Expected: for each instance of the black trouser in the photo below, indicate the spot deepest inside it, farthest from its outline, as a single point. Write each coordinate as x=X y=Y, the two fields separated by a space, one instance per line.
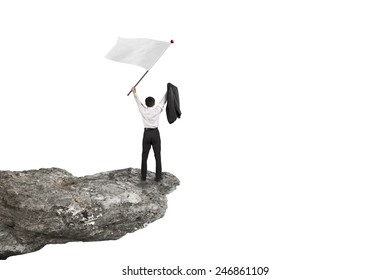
x=151 y=138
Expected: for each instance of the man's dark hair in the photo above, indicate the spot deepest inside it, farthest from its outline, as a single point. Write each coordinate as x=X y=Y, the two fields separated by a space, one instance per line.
x=149 y=101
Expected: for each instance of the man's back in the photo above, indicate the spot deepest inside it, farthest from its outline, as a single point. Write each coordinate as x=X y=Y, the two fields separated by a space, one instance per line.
x=150 y=115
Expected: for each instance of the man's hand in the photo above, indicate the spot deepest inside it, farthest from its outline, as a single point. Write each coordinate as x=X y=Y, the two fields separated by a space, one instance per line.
x=133 y=90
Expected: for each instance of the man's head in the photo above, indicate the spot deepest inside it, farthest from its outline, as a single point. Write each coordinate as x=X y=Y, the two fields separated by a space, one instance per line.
x=149 y=101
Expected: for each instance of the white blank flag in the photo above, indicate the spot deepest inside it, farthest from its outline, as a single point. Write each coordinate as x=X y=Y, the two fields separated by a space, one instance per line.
x=140 y=51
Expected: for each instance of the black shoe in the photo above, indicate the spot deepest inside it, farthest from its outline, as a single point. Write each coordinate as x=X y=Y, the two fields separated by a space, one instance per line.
x=158 y=179
x=143 y=179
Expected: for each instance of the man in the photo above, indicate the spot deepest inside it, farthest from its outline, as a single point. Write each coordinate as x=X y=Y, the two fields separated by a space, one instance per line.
x=150 y=117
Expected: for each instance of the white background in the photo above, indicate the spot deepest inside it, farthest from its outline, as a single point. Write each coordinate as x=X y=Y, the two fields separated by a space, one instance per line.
x=282 y=149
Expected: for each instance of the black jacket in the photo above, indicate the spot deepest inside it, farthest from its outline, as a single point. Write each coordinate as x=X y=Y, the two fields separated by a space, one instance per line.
x=173 y=103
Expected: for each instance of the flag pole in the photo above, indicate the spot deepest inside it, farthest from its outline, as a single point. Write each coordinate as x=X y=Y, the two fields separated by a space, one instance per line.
x=139 y=81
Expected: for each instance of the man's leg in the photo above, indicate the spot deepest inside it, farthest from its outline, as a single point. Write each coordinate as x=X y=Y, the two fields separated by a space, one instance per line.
x=156 y=142
x=146 y=143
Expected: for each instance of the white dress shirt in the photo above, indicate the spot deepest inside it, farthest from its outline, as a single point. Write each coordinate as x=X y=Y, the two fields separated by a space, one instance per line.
x=150 y=115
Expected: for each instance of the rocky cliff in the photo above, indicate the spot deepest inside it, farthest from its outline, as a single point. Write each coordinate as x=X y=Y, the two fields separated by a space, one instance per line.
x=51 y=206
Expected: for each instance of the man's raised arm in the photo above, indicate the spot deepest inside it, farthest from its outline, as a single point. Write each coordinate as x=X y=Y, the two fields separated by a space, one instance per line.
x=140 y=105
x=163 y=101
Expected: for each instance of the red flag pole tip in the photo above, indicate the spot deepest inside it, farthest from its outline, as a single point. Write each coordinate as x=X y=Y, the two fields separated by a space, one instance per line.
x=172 y=41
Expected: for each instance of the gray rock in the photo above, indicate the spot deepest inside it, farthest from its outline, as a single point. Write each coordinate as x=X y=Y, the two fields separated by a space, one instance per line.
x=51 y=206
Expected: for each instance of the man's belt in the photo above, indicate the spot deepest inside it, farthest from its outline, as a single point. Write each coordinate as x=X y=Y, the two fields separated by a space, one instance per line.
x=147 y=128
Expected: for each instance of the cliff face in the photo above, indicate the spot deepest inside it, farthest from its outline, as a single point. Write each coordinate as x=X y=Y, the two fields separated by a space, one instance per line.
x=49 y=206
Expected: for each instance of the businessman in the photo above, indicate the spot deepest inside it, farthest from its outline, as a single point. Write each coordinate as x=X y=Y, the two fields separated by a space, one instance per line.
x=150 y=117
